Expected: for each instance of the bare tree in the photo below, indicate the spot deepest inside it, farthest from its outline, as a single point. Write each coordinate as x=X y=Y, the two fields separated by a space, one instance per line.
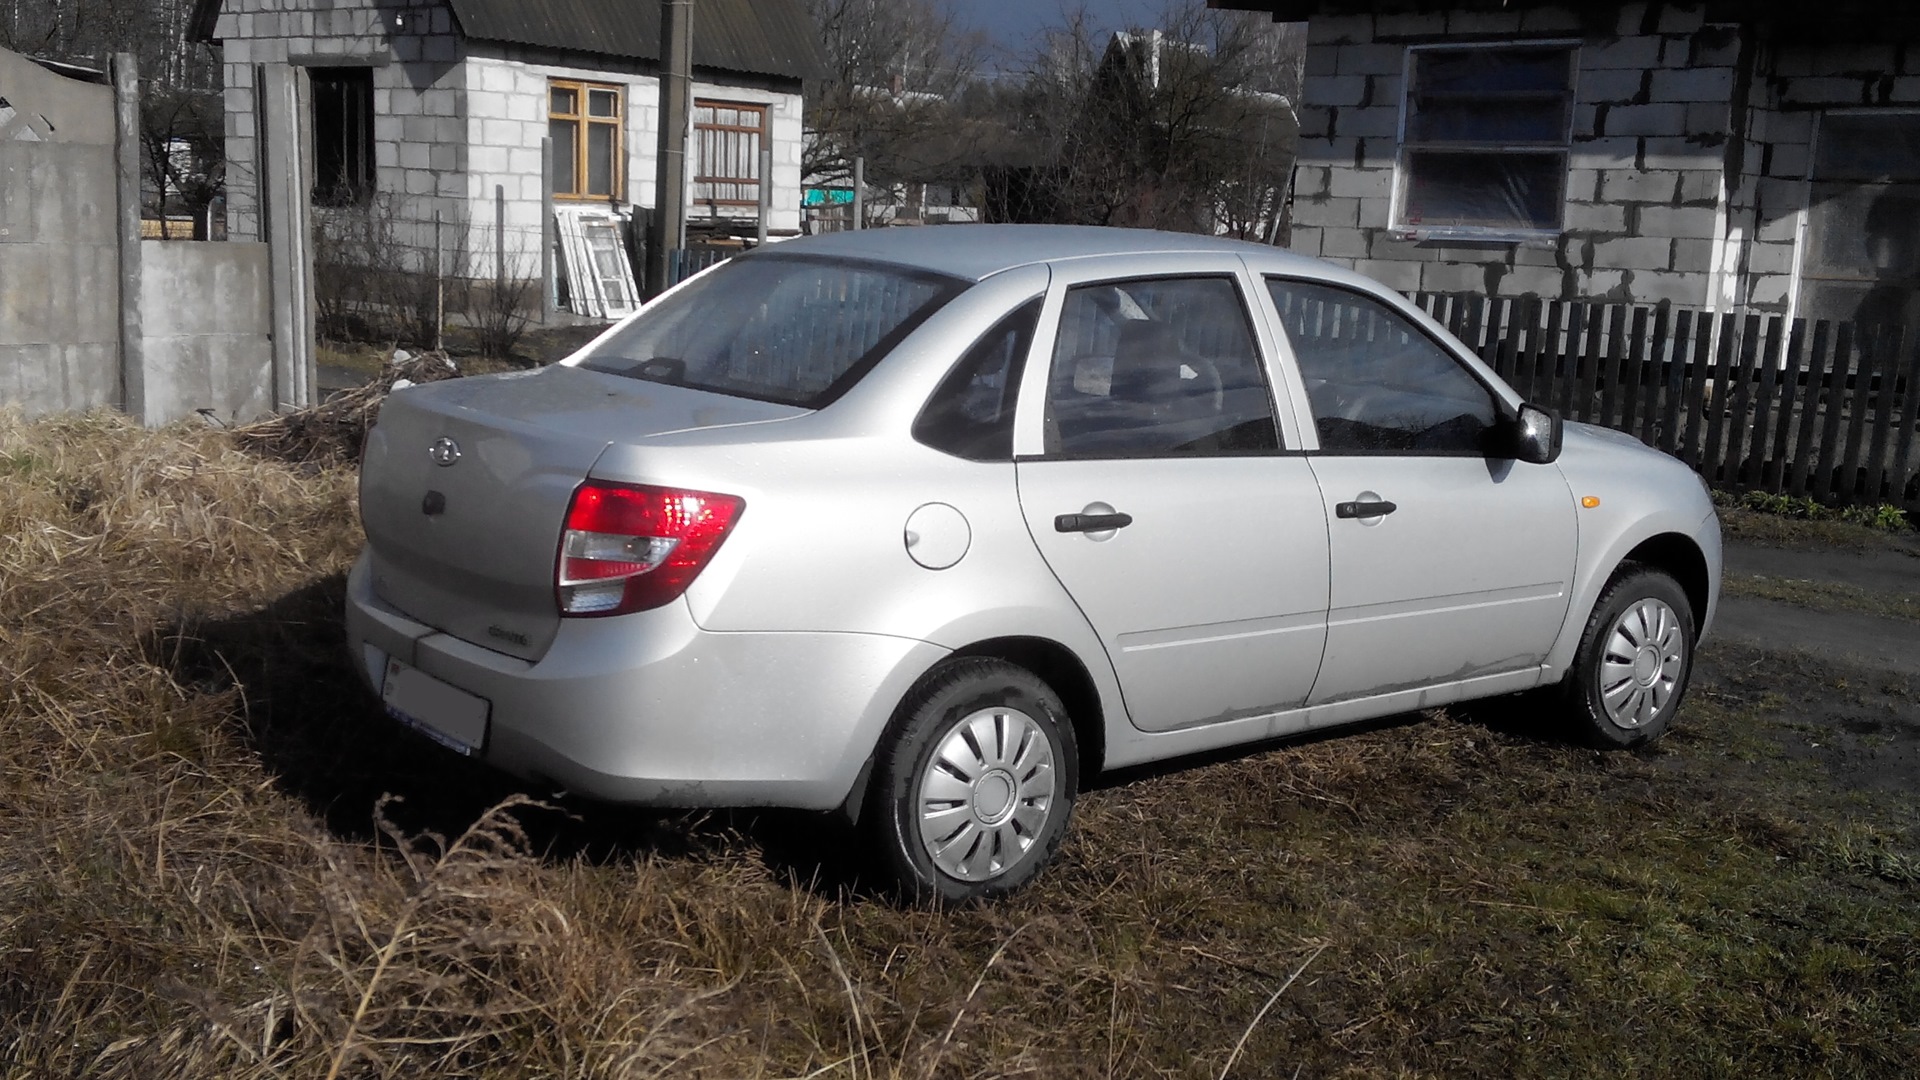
x=1184 y=125
x=897 y=67
x=181 y=114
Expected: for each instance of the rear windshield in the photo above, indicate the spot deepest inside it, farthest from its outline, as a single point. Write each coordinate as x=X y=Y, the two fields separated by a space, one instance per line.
x=791 y=329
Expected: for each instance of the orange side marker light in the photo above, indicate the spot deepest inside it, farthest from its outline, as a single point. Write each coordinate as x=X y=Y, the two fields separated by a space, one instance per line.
x=1589 y=501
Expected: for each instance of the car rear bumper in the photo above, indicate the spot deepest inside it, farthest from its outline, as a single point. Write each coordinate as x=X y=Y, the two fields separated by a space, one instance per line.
x=649 y=708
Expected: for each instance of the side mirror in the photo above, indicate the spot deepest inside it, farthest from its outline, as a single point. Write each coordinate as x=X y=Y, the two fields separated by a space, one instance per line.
x=1537 y=434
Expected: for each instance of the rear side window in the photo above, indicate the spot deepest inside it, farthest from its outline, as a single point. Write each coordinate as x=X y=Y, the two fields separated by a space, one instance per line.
x=1157 y=367
x=790 y=329
x=971 y=414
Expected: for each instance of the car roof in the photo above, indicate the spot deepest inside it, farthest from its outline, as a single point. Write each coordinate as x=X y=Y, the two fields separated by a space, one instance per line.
x=979 y=251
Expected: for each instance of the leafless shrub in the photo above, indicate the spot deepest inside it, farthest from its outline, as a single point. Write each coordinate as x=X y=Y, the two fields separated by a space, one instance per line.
x=499 y=310
x=370 y=281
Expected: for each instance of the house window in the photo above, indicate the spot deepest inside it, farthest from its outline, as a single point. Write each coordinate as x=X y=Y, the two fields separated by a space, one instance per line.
x=1484 y=147
x=584 y=121
x=1861 y=258
x=727 y=140
x=343 y=172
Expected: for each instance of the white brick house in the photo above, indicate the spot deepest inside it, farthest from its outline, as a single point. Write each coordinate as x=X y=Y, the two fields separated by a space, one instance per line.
x=1760 y=154
x=432 y=106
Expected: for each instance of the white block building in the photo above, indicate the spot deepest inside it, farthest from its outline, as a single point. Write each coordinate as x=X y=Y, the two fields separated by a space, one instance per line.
x=438 y=107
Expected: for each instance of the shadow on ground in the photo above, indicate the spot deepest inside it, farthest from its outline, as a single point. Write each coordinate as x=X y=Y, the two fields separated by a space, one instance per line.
x=325 y=741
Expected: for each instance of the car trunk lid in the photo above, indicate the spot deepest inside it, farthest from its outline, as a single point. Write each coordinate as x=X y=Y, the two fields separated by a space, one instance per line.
x=466 y=483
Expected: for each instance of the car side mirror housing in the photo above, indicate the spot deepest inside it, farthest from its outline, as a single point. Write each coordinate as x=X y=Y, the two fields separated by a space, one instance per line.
x=1537 y=434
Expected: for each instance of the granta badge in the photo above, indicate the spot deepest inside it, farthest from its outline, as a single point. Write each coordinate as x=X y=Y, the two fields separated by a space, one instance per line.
x=444 y=451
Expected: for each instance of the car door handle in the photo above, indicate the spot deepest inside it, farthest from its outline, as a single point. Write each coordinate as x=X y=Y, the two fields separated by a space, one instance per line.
x=1364 y=509
x=1067 y=523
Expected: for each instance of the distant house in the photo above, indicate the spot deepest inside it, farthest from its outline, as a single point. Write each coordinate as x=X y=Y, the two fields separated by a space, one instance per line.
x=431 y=106
x=1759 y=154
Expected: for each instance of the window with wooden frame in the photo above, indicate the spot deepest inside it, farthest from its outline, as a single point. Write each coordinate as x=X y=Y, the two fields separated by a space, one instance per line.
x=727 y=139
x=1483 y=149
x=585 y=121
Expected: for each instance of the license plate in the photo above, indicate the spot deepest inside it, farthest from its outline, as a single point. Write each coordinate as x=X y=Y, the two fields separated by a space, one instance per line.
x=446 y=714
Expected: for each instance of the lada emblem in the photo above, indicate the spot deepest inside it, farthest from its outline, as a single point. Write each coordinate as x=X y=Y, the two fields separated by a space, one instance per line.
x=444 y=451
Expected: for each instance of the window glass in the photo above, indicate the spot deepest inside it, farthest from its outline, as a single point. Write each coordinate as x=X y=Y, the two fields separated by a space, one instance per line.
x=565 y=156
x=343 y=162
x=1486 y=139
x=970 y=415
x=1376 y=382
x=789 y=329
x=727 y=137
x=1157 y=367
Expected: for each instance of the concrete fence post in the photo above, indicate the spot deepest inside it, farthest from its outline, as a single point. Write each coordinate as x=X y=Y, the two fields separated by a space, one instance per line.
x=126 y=143
x=766 y=193
x=285 y=186
x=547 y=290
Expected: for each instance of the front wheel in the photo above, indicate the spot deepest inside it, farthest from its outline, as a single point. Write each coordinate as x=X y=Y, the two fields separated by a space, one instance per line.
x=1634 y=661
x=974 y=782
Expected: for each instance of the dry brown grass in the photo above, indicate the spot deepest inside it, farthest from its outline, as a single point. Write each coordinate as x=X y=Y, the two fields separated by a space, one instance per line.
x=217 y=860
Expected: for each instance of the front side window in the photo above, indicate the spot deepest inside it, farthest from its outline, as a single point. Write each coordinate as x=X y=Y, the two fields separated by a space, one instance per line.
x=1157 y=367
x=727 y=137
x=1485 y=144
x=584 y=120
x=1377 y=383
x=790 y=329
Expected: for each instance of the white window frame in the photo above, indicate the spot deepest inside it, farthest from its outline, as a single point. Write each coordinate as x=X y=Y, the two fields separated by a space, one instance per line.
x=1400 y=228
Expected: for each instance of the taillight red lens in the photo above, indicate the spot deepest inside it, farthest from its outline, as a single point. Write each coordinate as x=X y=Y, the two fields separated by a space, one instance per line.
x=629 y=547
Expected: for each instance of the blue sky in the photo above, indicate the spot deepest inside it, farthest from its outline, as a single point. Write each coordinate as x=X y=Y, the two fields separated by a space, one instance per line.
x=1013 y=24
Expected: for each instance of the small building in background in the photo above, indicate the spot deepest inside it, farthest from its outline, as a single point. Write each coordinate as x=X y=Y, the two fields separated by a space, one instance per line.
x=1760 y=155
x=437 y=108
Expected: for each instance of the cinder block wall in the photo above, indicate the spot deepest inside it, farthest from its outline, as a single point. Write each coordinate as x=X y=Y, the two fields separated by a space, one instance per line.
x=418 y=88
x=1645 y=203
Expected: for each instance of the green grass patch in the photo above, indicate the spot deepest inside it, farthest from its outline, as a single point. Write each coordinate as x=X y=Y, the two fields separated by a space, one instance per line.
x=1823 y=595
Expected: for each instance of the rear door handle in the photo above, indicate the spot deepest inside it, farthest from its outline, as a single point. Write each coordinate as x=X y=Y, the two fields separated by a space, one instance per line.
x=1068 y=523
x=1364 y=509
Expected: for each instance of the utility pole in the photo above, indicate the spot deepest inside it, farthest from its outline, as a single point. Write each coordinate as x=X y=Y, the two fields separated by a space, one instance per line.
x=669 y=224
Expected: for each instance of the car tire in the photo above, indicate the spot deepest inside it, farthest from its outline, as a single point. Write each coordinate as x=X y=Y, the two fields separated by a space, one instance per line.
x=1634 y=661
x=973 y=783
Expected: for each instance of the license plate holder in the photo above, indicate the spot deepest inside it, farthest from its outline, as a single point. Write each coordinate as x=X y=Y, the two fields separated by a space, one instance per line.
x=439 y=710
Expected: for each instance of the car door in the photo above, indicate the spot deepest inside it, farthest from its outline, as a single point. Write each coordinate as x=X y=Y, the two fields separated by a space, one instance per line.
x=1154 y=478
x=1450 y=560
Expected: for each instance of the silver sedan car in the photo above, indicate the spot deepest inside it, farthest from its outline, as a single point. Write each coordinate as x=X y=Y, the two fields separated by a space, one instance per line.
x=931 y=525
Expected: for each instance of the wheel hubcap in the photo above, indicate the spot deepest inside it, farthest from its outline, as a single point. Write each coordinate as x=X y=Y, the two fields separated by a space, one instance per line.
x=1641 y=666
x=986 y=794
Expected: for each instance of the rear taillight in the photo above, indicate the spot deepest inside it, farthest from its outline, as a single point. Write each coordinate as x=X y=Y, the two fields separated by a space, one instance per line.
x=629 y=547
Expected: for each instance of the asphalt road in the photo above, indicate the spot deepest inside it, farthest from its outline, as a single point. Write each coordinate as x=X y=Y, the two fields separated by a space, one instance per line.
x=1854 y=637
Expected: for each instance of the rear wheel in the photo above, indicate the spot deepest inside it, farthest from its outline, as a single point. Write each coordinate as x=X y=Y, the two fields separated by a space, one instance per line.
x=1634 y=661
x=973 y=783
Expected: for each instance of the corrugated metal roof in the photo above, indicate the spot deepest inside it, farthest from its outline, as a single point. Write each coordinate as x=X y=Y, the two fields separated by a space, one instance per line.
x=759 y=37
x=762 y=37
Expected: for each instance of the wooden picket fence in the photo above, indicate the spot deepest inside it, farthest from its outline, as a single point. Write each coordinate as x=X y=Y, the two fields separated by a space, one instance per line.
x=1753 y=402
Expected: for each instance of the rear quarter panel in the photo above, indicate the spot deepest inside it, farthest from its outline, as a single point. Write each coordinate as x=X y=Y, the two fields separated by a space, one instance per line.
x=821 y=546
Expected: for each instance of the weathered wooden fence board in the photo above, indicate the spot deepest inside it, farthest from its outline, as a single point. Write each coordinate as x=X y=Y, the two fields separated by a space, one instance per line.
x=1828 y=410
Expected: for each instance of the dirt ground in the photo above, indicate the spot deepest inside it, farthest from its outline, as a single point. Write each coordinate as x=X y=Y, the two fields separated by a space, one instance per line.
x=1823 y=632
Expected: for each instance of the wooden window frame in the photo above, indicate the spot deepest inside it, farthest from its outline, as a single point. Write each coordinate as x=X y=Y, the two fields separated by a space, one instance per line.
x=584 y=123
x=700 y=130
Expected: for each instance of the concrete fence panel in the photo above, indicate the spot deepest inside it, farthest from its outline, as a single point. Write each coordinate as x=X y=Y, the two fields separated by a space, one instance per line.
x=59 y=248
x=205 y=317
